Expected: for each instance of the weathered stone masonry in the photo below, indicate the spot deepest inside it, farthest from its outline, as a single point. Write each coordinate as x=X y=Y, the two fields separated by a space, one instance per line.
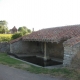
x=72 y=55
x=4 y=47
x=24 y=47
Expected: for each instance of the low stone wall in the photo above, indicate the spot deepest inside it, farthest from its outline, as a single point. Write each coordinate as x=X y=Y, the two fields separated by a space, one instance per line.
x=4 y=47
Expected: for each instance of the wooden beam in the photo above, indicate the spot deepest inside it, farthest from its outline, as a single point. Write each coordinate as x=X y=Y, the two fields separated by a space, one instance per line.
x=45 y=55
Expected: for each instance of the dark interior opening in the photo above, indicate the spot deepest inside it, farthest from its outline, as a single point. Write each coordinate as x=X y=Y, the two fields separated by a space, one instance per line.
x=39 y=61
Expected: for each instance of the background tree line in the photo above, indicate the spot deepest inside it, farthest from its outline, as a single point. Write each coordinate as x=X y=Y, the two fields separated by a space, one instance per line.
x=21 y=32
x=3 y=27
x=4 y=30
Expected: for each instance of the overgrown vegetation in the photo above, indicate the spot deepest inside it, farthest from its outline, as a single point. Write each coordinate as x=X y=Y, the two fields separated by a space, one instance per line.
x=71 y=74
x=5 y=37
x=16 y=35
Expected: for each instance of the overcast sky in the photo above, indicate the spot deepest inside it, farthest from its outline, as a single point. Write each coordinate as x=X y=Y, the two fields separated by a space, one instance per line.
x=40 y=14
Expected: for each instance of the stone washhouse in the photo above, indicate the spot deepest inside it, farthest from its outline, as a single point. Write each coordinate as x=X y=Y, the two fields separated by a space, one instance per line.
x=60 y=43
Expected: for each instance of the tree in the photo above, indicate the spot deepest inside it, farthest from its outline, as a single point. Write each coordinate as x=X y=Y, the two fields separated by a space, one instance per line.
x=24 y=30
x=3 y=26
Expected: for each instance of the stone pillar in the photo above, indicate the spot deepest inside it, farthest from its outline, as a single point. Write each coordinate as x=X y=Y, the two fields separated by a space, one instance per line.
x=69 y=53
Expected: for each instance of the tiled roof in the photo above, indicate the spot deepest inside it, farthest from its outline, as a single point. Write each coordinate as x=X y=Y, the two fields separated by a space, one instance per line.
x=15 y=40
x=72 y=41
x=54 y=34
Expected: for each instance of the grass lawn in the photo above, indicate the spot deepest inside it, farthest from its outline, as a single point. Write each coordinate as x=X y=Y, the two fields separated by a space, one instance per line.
x=72 y=74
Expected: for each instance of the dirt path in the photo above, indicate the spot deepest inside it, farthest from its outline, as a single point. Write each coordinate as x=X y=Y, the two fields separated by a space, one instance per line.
x=10 y=73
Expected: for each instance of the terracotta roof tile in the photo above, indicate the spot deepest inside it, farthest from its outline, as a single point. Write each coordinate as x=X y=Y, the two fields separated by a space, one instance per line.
x=15 y=40
x=72 y=41
x=54 y=34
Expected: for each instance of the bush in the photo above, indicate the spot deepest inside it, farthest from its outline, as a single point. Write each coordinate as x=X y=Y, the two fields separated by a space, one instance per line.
x=17 y=35
x=5 y=39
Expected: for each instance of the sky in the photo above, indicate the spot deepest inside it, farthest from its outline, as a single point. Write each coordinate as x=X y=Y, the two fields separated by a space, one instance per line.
x=39 y=14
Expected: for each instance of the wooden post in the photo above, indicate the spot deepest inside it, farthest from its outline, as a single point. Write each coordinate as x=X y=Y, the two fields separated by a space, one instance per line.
x=45 y=55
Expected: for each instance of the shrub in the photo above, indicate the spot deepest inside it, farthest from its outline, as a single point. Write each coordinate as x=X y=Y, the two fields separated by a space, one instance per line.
x=5 y=39
x=16 y=35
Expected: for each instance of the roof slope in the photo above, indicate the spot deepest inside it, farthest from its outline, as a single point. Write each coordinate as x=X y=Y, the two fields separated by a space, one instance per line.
x=72 y=41
x=54 y=34
x=15 y=40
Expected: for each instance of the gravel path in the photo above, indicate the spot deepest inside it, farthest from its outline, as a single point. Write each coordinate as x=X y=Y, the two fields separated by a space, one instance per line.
x=10 y=73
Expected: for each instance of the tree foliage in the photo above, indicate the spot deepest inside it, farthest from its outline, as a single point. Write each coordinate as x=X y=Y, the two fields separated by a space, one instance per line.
x=24 y=30
x=3 y=27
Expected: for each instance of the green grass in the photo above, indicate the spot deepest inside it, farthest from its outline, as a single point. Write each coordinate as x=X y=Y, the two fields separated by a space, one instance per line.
x=72 y=74
x=5 y=59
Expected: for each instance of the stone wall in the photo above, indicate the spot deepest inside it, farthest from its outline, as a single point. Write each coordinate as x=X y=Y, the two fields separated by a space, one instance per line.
x=25 y=47
x=55 y=50
x=71 y=55
x=76 y=58
x=4 y=47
